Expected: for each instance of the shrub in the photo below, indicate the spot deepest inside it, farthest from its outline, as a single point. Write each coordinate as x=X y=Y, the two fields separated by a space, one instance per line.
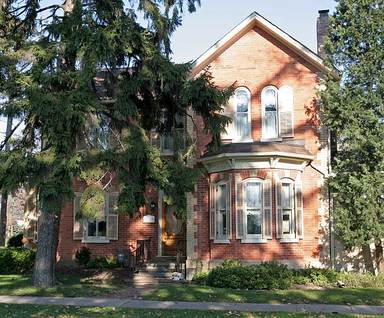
x=270 y=275
x=200 y=278
x=317 y=276
x=102 y=262
x=357 y=280
x=16 y=260
x=83 y=256
x=15 y=241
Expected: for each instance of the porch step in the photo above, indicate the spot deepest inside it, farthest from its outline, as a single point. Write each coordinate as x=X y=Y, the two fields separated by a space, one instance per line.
x=157 y=270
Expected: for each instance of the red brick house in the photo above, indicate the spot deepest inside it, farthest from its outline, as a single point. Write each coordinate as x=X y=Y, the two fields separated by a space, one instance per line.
x=263 y=197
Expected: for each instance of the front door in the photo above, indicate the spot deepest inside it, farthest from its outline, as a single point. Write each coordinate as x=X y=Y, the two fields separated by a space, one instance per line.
x=174 y=232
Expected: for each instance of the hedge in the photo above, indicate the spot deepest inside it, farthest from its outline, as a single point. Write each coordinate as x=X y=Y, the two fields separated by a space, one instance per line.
x=16 y=260
x=273 y=275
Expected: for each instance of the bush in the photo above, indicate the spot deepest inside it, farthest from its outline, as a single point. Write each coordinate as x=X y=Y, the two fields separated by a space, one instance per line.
x=200 y=278
x=357 y=280
x=16 y=260
x=270 y=275
x=102 y=262
x=317 y=276
x=83 y=256
x=15 y=241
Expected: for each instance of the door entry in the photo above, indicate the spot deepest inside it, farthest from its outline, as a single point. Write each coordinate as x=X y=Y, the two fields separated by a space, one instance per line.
x=174 y=232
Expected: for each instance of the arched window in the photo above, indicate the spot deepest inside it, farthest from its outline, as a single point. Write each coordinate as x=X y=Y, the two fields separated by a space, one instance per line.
x=269 y=102
x=242 y=113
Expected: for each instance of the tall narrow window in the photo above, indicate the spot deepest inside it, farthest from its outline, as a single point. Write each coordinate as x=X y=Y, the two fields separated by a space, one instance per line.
x=221 y=228
x=220 y=211
x=242 y=114
x=269 y=101
x=254 y=209
x=287 y=205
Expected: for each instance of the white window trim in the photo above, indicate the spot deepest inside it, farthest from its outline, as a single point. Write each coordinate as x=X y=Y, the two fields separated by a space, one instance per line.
x=223 y=239
x=264 y=138
x=236 y=138
x=253 y=238
x=291 y=237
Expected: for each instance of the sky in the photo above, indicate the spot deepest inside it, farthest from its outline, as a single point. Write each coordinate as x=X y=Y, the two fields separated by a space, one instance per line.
x=215 y=18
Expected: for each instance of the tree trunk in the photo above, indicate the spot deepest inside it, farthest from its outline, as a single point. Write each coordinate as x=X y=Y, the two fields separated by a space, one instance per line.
x=379 y=257
x=368 y=261
x=48 y=238
x=4 y=195
x=3 y=217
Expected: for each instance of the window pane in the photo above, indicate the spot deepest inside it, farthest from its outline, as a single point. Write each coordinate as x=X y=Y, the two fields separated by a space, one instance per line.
x=286 y=195
x=222 y=193
x=271 y=124
x=253 y=222
x=91 y=228
x=102 y=228
x=287 y=221
x=224 y=222
x=242 y=126
x=270 y=100
x=242 y=101
x=253 y=194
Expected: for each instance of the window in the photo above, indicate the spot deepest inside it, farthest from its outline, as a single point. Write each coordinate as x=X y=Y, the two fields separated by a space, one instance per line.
x=269 y=104
x=242 y=115
x=220 y=211
x=239 y=109
x=173 y=136
x=254 y=210
x=100 y=229
x=277 y=109
x=289 y=209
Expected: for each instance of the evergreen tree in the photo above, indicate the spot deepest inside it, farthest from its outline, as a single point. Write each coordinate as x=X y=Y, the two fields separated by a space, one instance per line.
x=353 y=109
x=65 y=49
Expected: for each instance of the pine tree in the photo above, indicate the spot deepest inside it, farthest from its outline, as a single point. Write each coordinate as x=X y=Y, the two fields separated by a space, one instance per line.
x=63 y=49
x=353 y=109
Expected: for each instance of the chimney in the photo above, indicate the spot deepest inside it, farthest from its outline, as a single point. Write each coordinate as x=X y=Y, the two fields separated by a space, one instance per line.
x=322 y=31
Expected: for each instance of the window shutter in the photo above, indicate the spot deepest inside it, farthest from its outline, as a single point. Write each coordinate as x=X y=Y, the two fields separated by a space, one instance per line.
x=78 y=224
x=299 y=210
x=229 y=208
x=267 y=209
x=239 y=211
x=286 y=111
x=212 y=211
x=279 y=221
x=111 y=214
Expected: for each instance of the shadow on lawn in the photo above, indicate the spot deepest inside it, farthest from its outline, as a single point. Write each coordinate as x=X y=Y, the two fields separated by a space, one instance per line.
x=358 y=296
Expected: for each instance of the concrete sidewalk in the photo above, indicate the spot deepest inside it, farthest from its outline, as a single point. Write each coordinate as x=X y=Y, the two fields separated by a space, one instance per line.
x=215 y=306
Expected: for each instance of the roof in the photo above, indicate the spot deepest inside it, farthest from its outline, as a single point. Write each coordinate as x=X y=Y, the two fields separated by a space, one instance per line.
x=255 y=19
x=261 y=149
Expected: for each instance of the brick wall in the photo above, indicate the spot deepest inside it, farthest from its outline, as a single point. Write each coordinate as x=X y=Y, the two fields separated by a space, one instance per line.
x=131 y=229
x=255 y=61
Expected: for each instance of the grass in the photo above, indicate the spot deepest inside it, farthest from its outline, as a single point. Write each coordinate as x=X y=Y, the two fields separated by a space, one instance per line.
x=78 y=286
x=27 y=311
x=353 y=296
x=70 y=286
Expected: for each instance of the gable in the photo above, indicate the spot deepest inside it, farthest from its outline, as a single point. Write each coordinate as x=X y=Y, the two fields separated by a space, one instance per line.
x=256 y=22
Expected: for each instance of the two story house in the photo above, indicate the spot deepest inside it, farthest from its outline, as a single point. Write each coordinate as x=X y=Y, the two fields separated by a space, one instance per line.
x=263 y=196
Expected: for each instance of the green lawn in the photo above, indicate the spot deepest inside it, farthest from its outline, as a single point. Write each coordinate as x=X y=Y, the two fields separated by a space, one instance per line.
x=27 y=311
x=69 y=286
x=354 y=296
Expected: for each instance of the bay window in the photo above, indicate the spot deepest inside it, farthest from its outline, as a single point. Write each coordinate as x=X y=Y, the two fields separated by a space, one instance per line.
x=220 y=211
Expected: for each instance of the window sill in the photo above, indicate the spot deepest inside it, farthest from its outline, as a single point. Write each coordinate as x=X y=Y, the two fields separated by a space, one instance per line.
x=289 y=240
x=254 y=241
x=270 y=139
x=242 y=140
x=222 y=241
x=95 y=240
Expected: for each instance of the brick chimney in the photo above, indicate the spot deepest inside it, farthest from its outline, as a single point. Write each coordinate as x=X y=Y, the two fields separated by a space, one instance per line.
x=322 y=31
